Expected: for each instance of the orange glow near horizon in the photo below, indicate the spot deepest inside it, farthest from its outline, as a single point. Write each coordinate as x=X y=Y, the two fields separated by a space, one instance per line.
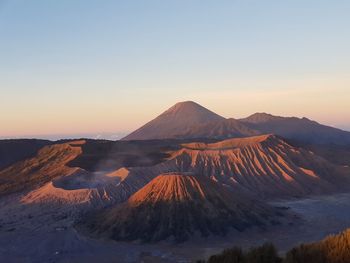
x=331 y=111
x=323 y=100
x=119 y=64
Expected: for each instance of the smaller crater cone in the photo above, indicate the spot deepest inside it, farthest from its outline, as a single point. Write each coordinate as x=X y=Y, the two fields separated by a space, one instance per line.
x=176 y=206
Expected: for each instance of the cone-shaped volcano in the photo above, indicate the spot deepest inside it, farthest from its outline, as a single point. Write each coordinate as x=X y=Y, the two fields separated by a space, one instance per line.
x=176 y=206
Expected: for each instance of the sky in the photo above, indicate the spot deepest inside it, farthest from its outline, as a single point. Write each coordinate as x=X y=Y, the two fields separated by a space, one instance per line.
x=104 y=68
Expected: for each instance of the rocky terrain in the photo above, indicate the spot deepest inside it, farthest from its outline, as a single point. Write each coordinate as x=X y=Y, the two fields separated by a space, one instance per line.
x=266 y=165
x=176 y=206
x=261 y=166
x=32 y=233
x=202 y=180
x=50 y=162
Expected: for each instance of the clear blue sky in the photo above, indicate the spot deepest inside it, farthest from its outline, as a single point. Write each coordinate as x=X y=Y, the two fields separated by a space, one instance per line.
x=89 y=67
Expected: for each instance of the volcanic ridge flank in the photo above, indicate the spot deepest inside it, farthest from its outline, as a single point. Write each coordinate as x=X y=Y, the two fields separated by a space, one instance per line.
x=174 y=206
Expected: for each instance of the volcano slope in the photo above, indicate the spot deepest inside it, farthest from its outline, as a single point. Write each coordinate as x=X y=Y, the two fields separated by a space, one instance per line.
x=220 y=129
x=77 y=176
x=188 y=120
x=14 y=150
x=301 y=130
x=50 y=162
x=265 y=165
x=54 y=173
x=175 y=206
x=80 y=191
x=85 y=191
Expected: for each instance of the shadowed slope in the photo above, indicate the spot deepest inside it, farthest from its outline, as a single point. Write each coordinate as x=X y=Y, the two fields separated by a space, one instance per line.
x=174 y=122
x=85 y=158
x=177 y=206
x=15 y=150
x=79 y=191
x=50 y=162
x=189 y=120
x=222 y=129
x=265 y=165
x=83 y=190
x=106 y=155
x=303 y=129
x=335 y=153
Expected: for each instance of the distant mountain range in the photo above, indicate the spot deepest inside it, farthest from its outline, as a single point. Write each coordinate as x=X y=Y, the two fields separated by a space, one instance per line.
x=189 y=172
x=189 y=120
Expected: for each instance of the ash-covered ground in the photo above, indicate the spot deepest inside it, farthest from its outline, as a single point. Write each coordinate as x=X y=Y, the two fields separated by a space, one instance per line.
x=43 y=233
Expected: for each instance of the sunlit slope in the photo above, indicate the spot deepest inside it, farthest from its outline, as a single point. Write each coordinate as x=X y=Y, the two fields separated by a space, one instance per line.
x=189 y=120
x=265 y=165
x=177 y=206
x=49 y=163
